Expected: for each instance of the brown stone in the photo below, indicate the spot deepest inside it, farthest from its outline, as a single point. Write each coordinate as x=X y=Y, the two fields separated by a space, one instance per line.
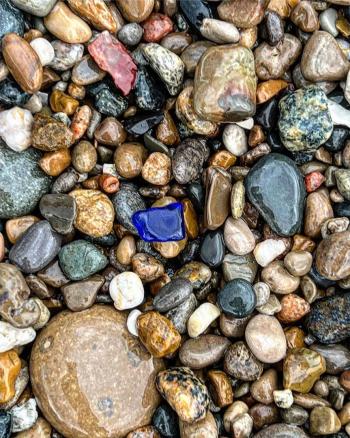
x=324 y=421
x=16 y=227
x=49 y=78
x=157 y=169
x=256 y=135
x=205 y=428
x=249 y=37
x=293 y=308
x=268 y=89
x=156 y=27
x=54 y=163
x=262 y=389
x=67 y=26
x=10 y=366
x=225 y=84
x=242 y=13
x=333 y=256
x=279 y=279
x=282 y=7
x=167 y=132
x=305 y=17
x=220 y=388
x=82 y=366
x=95 y=212
x=147 y=267
x=126 y=250
x=49 y=134
x=129 y=159
x=95 y=12
x=84 y=157
x=86 y=72
x=176 y=42
x=77 y=92
x=41 y=429
x=23 y=62
x=81 y=295
x=110 y=132
x=158 y=334
x=222 y=159
x=190 y=218
x=218 y=192
x=263 y=415
x=318 y=209
x=344 y=380
x=303 y=243
x=192 y=54
x=136 y=11
x=295 y=337
x=61 y=102
x=233 y=327
x=81 y=120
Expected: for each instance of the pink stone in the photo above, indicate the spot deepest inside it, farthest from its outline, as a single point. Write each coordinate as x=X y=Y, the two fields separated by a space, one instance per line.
x=156 y=27
x=111 y=56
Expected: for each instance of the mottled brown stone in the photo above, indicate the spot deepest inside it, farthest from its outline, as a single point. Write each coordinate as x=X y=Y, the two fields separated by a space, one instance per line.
x=220 y=388
x=318 y=209
x=91 y=377
x=293 y=308
x=96 y=12
x=242 y=13
x=217 y=204
x=54 y=163
x=305 y=17
x=333 y=256
x=110 y=132
x=15 y=228
x=129 y=159
x=135 y=11
x=49 y=134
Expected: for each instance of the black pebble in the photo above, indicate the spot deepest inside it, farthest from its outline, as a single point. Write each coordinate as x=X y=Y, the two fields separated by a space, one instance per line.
x=237 y=298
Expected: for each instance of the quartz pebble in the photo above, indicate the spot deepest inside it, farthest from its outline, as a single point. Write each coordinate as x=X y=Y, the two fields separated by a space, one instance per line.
x=12 y=337
x=44 y=50
x=15 y=128
x=126 y=290
x=201 y=318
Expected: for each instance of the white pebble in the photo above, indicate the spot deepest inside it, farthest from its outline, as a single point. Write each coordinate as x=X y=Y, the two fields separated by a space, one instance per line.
x=235 y=139
x=327 y=21
x=11 y=337
x=283 y=398
x=16 y=127
x=44 y=50
x=262 y=293
x=201 y=319
x=126 y=290
x=24 y=416
x=242 y=426
x=219 y=31
x=34 y=104
x=247 y=123
x=131 y=322
x=339 y=114
x=267 y=250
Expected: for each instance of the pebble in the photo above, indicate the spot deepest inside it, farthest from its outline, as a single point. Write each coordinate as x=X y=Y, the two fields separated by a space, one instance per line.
x=167 y=65
x=266 y=194
x=59 y=210
x=212 y=249
x=217 y=201
x=305 y=17
x=181 y=314
x=185 y=393
x=206 y=427
x=263 y=388
x=242 y=14
x=279 y=279
x=224 y=67
x=12 y=337
x=233 y=412
x=237 y=298
x=11 y=19
x=172 y=294
x=324 y=421
x=80 y=259
x=331 y=256
x=22 y=62
x=130 y=34
x=327 y=21
x=298 y=262
x=81 y=295
x=66 y=55
x=318 y=209
x=131 y=322
x=41 y=429
x=117 y=357
x=157 y=169
x=295 y=415
x=240 y=363
x=220 y=388
x=281 y=430
x=95 y=212
x=126 y=202
x=15 y=128
x=188 y=160
x=265 y=338
x=49 y=134
x=293 y=308
x=97 y=13
x=201 y=319
x=268 y=250
x=24 y=416
x=263 y=415
x=219 y=32
x=244 y=267
x=336 y=355
x=283 y=398
x=305 y=122
x=149 y=95
x=328 y=319
x=301 y=369
x=137 y=12
x=156 y=27
x=323 y=59
x=44 y=50
x=126 y=290
x=238 y=237
x=38 y=246
x=165 y=421
x=203 y=351
x=5 y=424
x=67 y=26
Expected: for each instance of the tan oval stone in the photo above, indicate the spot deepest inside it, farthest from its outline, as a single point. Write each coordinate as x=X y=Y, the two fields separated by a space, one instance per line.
x=305 y=17
x=54 y=163
x=157 y=169
x=324 y=421
x=96 y=12
x=126 y=250
x=95 y=212
x=262 y=389
x=317 y=210
x=67 y=26
x=266 y=339
x=333 y=256
x=242 y=13
x=279 y=279
x=16 y=227
x=81 y=367
x=129 y=159
x=238 y=237
x=205 y=428
x=298 y=262
x=135 y=11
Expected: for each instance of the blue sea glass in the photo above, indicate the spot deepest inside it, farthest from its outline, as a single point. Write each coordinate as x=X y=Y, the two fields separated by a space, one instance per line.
x=160 y=224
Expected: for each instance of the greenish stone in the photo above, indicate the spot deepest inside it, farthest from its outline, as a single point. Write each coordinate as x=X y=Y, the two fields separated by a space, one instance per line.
x=80 y=259
x=342 y=177
x=305 y=122
x=275 y=186
x=22 y=182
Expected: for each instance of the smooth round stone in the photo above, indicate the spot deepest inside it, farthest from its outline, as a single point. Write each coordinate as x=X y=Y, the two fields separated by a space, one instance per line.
x=332 y=256
x=36 y=248
x=165 y=421
x=337 y=357
x=305 y=121
x=59 y=210
x=237 y=298
x=215 y=97
x=126 y=290
x=203 y=351
x=212 y=249
x=240 y=363
x=329 y=319
x=172 y=294
x=276 y=188
x=238 y=237
x=324 y=421
x=281 y=430
x=80 y=259
x=81 y=295
x=130 y=34
x=127 y=201
x=44 y=50
x=39 y=8
x=295 y=415
x=86 y=72
x=235 y=139
x=11 y=19
x=95 y=346
x=327 y=21
x=192 y=54
x=13 y=337
x=15 y=128
x=266 y=339
x=219 y=31
x=263 y=388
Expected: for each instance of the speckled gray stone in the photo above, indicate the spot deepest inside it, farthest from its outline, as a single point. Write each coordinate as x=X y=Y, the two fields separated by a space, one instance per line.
x=127 y=201
x=40 y=8
x=66 y=55
x=38 y=246
x=22 y=182
x=305 y=122
x=130 y=34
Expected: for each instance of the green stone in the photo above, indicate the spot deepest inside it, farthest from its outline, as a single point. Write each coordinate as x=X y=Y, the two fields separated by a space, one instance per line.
x=305 y=121
x=80 y=259
x=22 y=182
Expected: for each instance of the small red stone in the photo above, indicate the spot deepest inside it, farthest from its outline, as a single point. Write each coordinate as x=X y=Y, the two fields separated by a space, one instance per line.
x=111 y=56
x=313 y=181
x=156 y=27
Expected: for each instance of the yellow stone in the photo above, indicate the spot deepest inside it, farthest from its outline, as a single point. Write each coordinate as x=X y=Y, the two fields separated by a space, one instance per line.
x=10 y=366
x=62 y=103
x=191 y=220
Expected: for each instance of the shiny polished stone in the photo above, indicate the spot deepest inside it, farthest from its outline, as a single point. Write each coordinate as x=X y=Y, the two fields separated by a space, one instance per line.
x=237 y=298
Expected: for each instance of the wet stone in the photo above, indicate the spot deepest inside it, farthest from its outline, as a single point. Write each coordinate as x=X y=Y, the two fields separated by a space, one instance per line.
x=337 y=357
x=267 y=194
x=196 y=11
x=11 y=94
x=212 y=249
x=36 y=248
x=11 y=19
x=240 y=363
x=80 y=259
x=127 y=201
x=149 y=95
x=59 y=210
x=188 y=160
x=141 y=123
x=172 y=294
x=70 y=339
x=332 y=261
x=130 y=34
x=5 y=424
x=49 y=134
x=66 y=55
x=165 y=421
x=237 y=298
x=181 y=314
x=281 y=430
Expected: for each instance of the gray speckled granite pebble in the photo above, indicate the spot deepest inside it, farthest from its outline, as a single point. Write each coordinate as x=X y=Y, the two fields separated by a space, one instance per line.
x=22 y=182
x=130 y=34
x=38 y=246
x=11 y=19
x=126 y=202
x=80 y=259
x=40 y=8
x=305 y=122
